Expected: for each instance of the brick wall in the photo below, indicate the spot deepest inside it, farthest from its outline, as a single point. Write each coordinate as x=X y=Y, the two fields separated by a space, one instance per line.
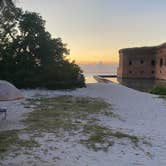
x=161 y=63
x=137 y=62
x=143 y=62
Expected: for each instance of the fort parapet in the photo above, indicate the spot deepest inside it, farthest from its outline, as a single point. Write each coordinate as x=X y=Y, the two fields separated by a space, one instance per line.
x=143 y=62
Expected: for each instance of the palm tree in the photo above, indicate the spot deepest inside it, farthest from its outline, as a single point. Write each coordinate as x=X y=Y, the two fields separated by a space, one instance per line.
x=6 y=3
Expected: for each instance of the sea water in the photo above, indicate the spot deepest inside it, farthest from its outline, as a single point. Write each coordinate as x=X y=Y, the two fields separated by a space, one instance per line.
x=144 y=85
x=91 y=70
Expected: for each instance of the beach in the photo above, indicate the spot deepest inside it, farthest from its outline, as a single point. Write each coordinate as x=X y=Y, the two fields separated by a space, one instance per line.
x=79 y=89
x=138 y=113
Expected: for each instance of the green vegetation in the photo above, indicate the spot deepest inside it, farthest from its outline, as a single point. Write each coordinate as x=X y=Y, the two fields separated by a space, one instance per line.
x=30 y=57
x=159 y=90
x=98 y=137
x=11 y=138
x=64 y=112
x=101 y=138
x=134 y=139
x=7 y=138
x=64 y=115
x=6 y=3
x=75 y=115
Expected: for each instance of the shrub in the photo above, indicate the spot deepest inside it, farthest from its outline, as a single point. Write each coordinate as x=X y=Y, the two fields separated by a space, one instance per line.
x=159 y=90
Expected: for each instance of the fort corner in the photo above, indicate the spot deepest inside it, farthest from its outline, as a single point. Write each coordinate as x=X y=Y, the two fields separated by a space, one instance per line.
x=143 y=62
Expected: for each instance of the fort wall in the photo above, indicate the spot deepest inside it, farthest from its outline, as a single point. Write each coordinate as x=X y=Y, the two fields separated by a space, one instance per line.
x=143 y=62
x=161 y=63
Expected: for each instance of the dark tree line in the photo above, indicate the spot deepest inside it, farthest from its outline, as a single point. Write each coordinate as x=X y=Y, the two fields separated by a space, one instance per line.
x=30 y=57
x=4 y=3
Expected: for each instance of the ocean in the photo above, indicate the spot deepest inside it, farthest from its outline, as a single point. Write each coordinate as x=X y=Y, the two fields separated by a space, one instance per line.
x=98 y=69
x=144 y=85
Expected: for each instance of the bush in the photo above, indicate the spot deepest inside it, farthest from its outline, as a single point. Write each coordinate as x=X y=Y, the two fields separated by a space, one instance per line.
x=159 y=90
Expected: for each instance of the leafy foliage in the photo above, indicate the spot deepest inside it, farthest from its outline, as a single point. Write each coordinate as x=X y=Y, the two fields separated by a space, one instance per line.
x=6 y=3
x=30 y=57
x=159 y=90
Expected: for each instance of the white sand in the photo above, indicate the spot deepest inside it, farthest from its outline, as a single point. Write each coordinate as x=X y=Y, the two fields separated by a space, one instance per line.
x=142 y=114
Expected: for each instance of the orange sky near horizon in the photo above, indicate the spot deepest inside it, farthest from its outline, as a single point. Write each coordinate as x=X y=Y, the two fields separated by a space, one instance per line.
x=95 y=30
x=94 y=57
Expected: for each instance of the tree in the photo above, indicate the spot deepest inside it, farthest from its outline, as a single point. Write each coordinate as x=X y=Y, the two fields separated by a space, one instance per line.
x=6 y=3
x=30 y=57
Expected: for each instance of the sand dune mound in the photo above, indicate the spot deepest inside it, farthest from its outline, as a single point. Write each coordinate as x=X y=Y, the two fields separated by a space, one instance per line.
x=9 y=91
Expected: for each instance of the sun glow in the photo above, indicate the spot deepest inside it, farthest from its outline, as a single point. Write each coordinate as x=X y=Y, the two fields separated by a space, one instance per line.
x=95 y=30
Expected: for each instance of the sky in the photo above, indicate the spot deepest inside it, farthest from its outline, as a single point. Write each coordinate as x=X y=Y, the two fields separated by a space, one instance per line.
x=96 y=29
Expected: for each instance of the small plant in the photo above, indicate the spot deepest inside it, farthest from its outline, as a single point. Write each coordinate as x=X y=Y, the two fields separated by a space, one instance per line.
x=11 y=138
x=7 y=138
x=159 y=90
x=101 y=138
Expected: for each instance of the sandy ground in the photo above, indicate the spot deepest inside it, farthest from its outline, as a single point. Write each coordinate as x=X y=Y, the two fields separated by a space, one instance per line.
x=140 y=113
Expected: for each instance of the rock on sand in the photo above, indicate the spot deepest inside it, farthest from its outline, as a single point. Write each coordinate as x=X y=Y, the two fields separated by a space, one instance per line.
x=9 y=91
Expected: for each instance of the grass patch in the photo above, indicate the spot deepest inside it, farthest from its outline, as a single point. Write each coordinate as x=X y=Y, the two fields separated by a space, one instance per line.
x=101 y=138
x=134 y=139
x=8 y=138
x=74 y=115
x=159 y=90
x=97 y=137
x=11 y=138
x=52 y=115
x=64 y=112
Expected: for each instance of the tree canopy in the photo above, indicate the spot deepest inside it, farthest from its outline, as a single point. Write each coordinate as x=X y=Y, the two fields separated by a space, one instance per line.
x=6 y=4
x=30 y=57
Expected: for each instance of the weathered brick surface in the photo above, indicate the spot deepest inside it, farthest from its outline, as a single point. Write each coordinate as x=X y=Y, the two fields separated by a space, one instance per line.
x=143 y=62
